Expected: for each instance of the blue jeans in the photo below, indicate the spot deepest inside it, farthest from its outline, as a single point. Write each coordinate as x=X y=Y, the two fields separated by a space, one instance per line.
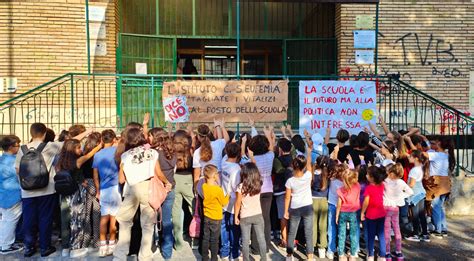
x=38 y=216
x=230 y=237
x=375 y=227
x=438 y=215
x=332 y=229
x=167 y=208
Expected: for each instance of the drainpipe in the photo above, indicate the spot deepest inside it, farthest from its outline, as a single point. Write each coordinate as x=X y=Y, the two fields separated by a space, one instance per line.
x=88 y=39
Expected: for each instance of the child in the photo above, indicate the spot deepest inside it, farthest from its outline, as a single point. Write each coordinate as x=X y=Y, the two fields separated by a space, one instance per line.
x=362 y=179
x=298 y=193
x=213 y=201
x=230 y=179
x=347 y=205
x=248 y=206
x=10 y=195
x=281 y=172
x=395 y=192
x=417 y=200
x=319 y=191
x=373 y=210
x=335 y=182
x=106 y=183
x=71 y=159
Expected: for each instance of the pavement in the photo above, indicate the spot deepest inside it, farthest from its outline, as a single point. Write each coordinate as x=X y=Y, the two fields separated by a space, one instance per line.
x=459 y=245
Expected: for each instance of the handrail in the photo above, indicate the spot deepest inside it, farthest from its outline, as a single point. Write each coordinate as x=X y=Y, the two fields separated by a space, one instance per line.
x=34 y=89
x=436 y=101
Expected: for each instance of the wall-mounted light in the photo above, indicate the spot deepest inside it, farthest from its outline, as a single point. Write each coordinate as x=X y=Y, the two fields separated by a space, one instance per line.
x=220 y=47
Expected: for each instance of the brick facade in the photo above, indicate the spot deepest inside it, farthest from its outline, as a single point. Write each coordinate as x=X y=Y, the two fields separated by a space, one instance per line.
x=430 y=44
x=41 y=40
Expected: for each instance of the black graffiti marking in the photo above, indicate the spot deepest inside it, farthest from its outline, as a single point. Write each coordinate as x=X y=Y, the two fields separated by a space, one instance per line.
x=402 y=39
x=447 y=73
x=448 y=52
x=423 y=61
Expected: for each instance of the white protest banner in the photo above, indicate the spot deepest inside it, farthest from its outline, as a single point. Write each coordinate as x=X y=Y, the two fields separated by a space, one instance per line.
x=336 y=104
x=176 y=109
x=262 y=100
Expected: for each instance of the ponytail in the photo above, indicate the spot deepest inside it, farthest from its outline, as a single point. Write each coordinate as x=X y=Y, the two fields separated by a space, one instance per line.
x=323 y=162
x=204 y=137
x=424 y=161
x=447 y=143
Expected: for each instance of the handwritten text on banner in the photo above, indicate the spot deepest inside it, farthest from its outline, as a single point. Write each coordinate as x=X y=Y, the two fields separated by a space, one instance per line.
x=336 y=104
x=264 y=101
x=176 y=109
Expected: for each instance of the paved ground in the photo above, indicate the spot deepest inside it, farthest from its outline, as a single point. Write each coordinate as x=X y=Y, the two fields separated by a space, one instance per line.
x=459 y=245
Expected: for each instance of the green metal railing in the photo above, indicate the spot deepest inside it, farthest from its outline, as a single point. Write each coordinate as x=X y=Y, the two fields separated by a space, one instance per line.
x=112 y=100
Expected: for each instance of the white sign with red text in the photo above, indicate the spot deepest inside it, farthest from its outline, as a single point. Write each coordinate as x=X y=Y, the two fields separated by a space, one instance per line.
x=176 y=109
x=336 y=104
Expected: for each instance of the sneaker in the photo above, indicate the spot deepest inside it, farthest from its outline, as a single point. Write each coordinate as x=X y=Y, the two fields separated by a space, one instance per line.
x=29 y=252
x=12 y=249
x=111 y=248
x=425 y=238
x=78 y=253
x=65 y=252
x=414 y=238
x=330 y=255
x=437 y=235
x=444 y=233
x=322 y=252
x=398 y=256
x=194 y=243
x=289 y=258
x=103 y=250
x=388 y=257
x=48 y=251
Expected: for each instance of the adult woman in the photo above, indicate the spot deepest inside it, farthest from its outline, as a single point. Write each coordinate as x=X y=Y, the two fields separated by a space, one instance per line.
x=138 y=164
x=162 y=143
x=184 y=182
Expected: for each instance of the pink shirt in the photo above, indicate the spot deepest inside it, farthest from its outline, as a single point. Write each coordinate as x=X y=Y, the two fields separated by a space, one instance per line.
x=350 y=198
x=375 y=209
x=250 y=204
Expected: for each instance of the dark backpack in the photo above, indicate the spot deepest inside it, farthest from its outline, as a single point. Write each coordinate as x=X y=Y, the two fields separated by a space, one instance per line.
x=33 y=172
x=64 y=184
x=279 y=179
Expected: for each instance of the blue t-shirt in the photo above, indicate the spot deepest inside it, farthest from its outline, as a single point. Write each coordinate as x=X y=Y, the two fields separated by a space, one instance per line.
x=104 y=162
x=10 y=191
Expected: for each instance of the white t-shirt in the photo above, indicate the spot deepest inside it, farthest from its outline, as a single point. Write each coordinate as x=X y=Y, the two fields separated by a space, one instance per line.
x=139 y=164
x=416 y=173
x=264 y=164
x=395 y=192
x=49 y=153
x=300 y=190
x=230 y=180
x=217 y=148
x=439 y=163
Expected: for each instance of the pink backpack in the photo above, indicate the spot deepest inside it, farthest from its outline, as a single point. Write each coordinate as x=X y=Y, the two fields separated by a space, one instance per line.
x=195 y=226
x=157 y=193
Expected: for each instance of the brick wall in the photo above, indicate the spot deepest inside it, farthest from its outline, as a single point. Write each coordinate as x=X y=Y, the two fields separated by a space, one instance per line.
x=41 y=40
x=430 y=44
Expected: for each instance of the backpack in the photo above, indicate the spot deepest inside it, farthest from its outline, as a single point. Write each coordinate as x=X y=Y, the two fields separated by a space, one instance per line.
x=64 y=184
x=33 y=172
x=157 y=193
x=279 y=179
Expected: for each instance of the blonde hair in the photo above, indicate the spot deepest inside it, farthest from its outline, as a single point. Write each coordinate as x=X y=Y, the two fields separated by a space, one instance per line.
x=210 y=171
x=396 y=169
x=350 y=178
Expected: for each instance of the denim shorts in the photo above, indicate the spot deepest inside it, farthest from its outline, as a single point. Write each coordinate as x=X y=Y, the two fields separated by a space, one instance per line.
x=110 y=200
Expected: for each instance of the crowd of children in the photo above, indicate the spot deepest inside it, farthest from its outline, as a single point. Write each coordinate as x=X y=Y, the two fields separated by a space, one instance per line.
x=248 y=189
